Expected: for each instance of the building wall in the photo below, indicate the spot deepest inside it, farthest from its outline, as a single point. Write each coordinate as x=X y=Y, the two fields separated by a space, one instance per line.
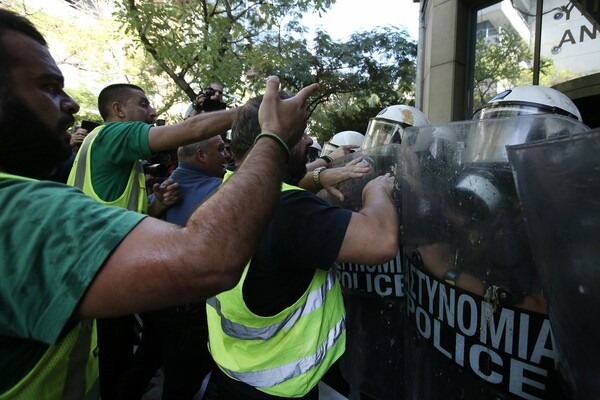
x=444 y=60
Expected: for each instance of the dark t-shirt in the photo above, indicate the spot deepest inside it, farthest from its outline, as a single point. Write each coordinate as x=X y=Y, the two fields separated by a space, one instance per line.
x=306 y=233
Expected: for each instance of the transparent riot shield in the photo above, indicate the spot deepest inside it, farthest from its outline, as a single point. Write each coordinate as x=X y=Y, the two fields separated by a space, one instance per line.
x=374 y=297
x=558 y=182
x=477 y=326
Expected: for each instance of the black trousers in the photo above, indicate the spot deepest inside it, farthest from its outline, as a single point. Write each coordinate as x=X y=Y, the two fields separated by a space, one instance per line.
x=176 y=339
x=115 y=343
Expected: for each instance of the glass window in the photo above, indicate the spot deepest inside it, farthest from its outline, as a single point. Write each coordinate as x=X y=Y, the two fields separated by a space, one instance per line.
x=504 y=49
x=505 y=40
x=570 y=43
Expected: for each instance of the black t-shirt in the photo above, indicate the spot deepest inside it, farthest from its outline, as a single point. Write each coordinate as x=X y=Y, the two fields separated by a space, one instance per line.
x=305 y=233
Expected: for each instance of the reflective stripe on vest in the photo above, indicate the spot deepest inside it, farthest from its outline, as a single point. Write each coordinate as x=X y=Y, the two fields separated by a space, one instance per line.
x=75 y=384
x=314 y=300
x=270 y=377
x=78 y=175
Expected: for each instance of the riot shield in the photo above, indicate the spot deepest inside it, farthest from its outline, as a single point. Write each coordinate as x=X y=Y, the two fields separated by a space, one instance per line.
x=373 y=297
x=476 y=325
x=558 y=182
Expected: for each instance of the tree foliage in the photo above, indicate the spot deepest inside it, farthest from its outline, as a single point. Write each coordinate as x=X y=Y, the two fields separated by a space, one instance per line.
x=198 y=42
x=239 y=43
x=88 y=45
x=358 y=78
x=174 y=49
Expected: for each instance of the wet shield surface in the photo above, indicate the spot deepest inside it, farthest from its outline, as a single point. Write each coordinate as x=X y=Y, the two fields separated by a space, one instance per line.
x=477 y=324
x=374 y=297
x=558 y=182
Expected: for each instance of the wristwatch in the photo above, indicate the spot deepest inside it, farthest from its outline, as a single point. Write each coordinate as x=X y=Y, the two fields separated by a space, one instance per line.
x=317 y=177
x=451 y=276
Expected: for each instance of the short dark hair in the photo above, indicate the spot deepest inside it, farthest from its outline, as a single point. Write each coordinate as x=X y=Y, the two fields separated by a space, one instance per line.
x=11 y=21
x=116 y=92
x=245 y=127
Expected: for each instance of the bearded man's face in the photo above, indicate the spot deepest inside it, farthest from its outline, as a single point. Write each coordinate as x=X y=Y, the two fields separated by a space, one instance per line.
x=35 y=112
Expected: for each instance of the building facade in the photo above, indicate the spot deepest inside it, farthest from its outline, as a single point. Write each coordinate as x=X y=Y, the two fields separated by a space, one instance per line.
x=470 y=50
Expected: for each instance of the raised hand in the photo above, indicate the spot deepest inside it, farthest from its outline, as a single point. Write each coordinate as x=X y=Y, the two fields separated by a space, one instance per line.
x=285 y=118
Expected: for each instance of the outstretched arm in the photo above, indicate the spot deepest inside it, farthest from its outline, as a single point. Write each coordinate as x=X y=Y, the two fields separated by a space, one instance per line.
x=331 y=177
x=192 y=130
x=159 y=264
x=372 y=236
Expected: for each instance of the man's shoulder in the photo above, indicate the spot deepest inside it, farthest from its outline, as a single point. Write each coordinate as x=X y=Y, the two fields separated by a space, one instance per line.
x=297 y=194
x=194 y=177
x=121 y=128
x=13 y=183
x=122 y=142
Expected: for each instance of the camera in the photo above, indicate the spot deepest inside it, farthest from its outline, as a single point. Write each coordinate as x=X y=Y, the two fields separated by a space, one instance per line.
x=208 y=93
x=205 y=103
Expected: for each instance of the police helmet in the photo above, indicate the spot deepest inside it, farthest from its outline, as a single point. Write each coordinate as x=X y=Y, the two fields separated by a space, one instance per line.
x=388 y=125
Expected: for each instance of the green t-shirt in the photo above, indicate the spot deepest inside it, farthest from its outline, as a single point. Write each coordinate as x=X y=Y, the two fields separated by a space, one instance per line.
x=114 y=151
x=53 y=240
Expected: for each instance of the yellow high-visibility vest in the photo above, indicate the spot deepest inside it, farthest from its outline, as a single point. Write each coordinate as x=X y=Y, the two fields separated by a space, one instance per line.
x=286 y=354
x=133 y=198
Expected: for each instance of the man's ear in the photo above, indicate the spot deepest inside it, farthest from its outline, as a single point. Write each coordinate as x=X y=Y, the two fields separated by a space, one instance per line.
x=200 y=156
x=118 y=110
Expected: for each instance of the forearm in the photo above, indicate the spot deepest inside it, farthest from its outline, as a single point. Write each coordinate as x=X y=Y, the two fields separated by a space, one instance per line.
x=308 y=182
x=192 y=130
x=327 y=177
x=159 y=264
x=209 y=124
x=382 y=217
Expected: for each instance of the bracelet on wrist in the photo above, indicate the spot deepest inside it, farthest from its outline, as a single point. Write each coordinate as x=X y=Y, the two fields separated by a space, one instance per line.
x=327 y=159
x=277 y=139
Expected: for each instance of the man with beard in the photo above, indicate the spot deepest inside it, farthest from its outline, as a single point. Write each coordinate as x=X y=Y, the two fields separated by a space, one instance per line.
x=65 y=259
x=278 y=331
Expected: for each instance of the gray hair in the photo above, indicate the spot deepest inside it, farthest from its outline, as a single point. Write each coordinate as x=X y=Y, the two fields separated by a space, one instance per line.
x=188 y=151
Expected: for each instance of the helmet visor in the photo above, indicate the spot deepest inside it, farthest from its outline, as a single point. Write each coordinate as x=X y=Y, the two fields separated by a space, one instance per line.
x=328 y=148
x=382 y=131
x=499 y=110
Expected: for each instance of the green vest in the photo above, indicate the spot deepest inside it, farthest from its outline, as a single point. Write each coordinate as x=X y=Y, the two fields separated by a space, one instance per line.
x=67 y=370
x=134 y=196
x=286 y=354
